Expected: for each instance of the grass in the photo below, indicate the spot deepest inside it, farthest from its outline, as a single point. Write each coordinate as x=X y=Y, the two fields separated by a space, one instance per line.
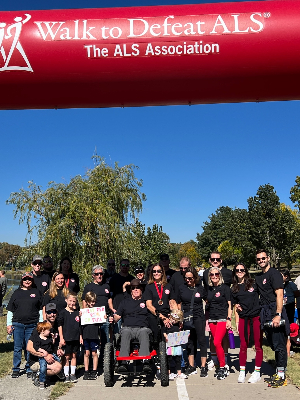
x=59 y=389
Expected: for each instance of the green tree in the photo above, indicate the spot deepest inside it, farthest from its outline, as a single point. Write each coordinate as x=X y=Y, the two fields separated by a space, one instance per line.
x=88 y=219
x=190 y=250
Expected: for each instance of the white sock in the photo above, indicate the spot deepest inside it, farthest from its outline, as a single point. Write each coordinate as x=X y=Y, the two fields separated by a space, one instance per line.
x=73 y=369
x=66 y=370
x=281 y=373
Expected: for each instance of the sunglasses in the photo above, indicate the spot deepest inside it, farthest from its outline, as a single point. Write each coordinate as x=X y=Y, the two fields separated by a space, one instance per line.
x=261 y=259
x=240 y=270
x=27 y=279
x=189 y=279
x=135 y=287
x=111 y=264
x=125 y=265
x=215 y=259
x=217 y=274
x=51 y=312
x=183 y=268
x=157 y=271
x=164 y=259
x=98 y=273
x=37 y=263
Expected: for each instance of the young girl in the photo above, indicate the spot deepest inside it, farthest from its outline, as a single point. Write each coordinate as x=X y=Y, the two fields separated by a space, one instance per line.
x=69 y=333
x=175 y=352
x=44 y=344
x=90 y=335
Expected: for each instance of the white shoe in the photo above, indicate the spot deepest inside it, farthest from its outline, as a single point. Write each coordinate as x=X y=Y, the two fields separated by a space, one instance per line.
x=172 y=376
x=182 y=376
x=227 y=370
x=210 y=365
x=255 y=377
x=242 y=376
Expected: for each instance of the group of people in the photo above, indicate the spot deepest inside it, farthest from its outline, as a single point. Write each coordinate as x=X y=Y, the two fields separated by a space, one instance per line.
x=44 y=315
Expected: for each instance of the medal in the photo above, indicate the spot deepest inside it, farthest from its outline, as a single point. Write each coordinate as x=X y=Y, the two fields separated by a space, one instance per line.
x=160 y=302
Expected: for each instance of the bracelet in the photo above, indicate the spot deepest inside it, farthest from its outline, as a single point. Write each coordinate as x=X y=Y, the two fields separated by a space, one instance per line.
x=228 y=319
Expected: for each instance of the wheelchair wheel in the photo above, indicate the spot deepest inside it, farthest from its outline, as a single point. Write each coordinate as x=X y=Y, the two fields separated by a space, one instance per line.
x=164 y=373
x=108 y=364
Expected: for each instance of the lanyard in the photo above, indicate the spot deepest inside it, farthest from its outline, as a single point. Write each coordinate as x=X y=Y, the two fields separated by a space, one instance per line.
x=160 y=302
x=67 y=281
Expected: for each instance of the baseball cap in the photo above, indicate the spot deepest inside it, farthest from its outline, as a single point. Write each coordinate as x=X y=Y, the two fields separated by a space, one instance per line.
x=50 y=306
x=27 y=275
x=135 y=282
x=37 y=258
x=164 y=255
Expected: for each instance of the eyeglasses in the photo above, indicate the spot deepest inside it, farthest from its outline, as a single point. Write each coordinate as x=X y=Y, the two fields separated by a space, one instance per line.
x=51 y=312
x=37 y=263
x=215 y=259
x=217 y=274
x=240 y=270
x=98 y=273
x=157 y=271
x=261 y=259
x=125 y=265
x=111 y=264
x=189 y=279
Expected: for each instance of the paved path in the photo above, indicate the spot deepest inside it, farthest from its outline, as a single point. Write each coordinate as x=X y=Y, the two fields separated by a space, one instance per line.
x=193 y=388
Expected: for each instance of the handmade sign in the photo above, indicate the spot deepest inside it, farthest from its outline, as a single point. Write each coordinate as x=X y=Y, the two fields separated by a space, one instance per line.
x=93 y=315
x=178 y=338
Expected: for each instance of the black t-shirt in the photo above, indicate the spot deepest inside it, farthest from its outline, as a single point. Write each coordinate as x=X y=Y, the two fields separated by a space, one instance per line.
x=133 y=312
x=70 y=322
x=116 y=287
x=177 y=280
x=267 y=283
x=107 y=277
x=35 y=336
x=102 y=291
x=226 y=274
x=59 y=300
x=49 y=273
x=90 y=331
x=45 y=344
x=218 y=297
x=25 y=305
x=72 y=282
x=185 y=298
x=42 y=282
x=248 y=300
x=170 y=273
x=167 y=295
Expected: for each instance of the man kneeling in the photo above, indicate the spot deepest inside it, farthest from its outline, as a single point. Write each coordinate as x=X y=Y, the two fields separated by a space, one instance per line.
x=134 y=313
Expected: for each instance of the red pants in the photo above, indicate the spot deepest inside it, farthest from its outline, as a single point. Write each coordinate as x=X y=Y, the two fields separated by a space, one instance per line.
x=257 y=333
x=218 y=331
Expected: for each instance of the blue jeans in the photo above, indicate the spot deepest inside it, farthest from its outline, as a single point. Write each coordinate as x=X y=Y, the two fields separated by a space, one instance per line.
x=22 y=333
x=43 y=367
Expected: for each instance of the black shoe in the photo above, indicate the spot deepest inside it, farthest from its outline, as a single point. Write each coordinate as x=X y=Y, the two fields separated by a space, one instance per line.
x=203 y=372
x=216 y=371
x=123 y=368
x=36 y=382
x=191 y=370
x=222 y=373
x=93 y=375
x=147 y=368
x=15 y=374
x=61 y=375
x=29 y=374
x=86 y=376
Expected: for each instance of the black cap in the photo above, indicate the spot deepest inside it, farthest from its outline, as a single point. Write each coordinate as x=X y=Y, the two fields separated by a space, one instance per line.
x=164 y=255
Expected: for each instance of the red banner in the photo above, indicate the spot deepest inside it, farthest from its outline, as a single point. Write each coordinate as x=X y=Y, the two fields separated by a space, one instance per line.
x=140 y=56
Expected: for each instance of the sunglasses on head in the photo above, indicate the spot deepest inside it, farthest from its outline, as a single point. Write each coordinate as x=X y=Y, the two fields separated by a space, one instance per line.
x=214 y=274
x=98 y=273
x=261 y=259
x=215 y=259
x=37 y=262
x=240 y=270
x=51 y=312
x=157 y=271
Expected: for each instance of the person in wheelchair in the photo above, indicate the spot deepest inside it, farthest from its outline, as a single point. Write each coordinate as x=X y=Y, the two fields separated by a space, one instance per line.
x=134 y=313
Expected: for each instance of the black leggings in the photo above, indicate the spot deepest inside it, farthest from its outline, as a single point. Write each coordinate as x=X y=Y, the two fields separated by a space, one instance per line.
x=290 y=310
x=177 y=360
x=197 y=334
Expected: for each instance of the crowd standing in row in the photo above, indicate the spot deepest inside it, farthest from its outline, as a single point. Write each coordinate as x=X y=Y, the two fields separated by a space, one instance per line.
x=44 y=315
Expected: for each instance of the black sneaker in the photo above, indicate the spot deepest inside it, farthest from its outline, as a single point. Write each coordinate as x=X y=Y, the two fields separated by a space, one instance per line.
x=222 y=373
x=67 y=380
x=15 y=374
x=191 y=370
x=86 y=376
x=73 y=378
x=271 y=378
x=147 y=368
x=29 y=374
x=36 y=382
x=203 y=372
x=93 y=375
x=123 y=368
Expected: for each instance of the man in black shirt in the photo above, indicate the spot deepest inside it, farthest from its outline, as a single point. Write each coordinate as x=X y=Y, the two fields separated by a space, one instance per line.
x=270 y=288
x=164 y=262
x=41 y=280
x=48 y=266
x=110 y=270
x=134 y=313
x=178 y=278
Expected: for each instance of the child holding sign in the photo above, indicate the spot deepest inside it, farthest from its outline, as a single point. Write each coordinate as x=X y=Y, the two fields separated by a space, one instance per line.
x=175 y=352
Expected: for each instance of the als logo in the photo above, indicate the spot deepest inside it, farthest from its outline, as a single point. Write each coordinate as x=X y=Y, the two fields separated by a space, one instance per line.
x=11 y=48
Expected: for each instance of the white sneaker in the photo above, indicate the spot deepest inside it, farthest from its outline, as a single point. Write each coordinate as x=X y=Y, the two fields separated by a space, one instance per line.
x=255 y=377
x=242 y=376
x=210 y=365
x=227 y=370
x=182 y=376
x=172 y=376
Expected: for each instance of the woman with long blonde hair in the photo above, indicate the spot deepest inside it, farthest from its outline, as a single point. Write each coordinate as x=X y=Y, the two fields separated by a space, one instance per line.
x=56 y=294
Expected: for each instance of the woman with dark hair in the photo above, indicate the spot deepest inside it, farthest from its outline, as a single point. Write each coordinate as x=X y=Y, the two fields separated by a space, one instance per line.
x=219 y=308
x=190 y=296
x=290 y=293
x=158 y=296
x=71 y=278
x=23 y=315
x=245 y=297
x=56 y=294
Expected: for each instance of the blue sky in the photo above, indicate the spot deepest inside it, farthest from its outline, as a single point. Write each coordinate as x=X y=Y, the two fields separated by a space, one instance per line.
x=192 y=159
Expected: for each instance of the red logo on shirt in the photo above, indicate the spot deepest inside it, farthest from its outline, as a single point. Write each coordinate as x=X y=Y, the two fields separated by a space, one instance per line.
x=44 y=283
x=142 y=305
x=32 y=295
x=218 y=294
x=106 y=291
x=264 y=281
x=77 y=319
x=251 y=290
x=167 y=291
x=197 y=294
